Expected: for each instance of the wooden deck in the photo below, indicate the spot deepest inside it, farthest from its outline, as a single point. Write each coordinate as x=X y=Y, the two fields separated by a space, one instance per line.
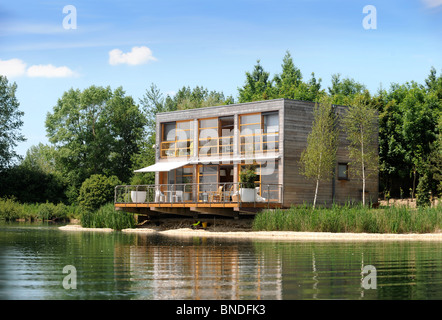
x=230 y=209
x=263 y=205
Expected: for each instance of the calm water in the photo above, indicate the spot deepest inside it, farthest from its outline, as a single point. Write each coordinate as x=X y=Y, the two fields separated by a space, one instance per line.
x=127 y=266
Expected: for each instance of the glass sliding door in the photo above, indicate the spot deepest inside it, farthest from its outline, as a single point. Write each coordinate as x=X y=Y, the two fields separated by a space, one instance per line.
x=207 y=181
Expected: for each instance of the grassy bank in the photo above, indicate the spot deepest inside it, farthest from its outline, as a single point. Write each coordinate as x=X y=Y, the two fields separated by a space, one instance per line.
x=104 y=217
x=12 y=210
x=351 y=219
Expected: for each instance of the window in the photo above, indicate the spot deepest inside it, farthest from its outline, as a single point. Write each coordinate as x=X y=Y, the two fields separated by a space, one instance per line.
x=207 y=181
x=215 y=136
x=343 y=171
x=267 y=179
x=177 y=139
x=225 y=131
x=259 y=132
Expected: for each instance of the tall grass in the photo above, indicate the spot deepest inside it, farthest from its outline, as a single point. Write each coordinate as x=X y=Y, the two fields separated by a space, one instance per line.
x=12 y=210
x=104 y=217
x=349 y=218
x=107 y=217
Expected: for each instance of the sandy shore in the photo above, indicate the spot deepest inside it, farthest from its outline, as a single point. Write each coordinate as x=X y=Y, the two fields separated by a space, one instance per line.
x=76 y=227
x=271 y=235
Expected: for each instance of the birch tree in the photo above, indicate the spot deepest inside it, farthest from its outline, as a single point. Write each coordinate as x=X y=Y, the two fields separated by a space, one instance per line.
x=360 y=125
x=318 y=160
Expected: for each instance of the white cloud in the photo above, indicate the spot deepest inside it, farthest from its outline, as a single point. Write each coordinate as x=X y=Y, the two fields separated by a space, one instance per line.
x=17 y=68
x=12 y=68
x=432 y=3
x=49 y=71
x=138 y=55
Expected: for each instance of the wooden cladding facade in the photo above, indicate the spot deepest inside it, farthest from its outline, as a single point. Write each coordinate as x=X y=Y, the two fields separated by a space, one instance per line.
x=295 y=122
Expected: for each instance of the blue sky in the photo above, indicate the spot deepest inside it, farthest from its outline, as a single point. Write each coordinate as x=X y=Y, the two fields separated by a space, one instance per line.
x=210 y=43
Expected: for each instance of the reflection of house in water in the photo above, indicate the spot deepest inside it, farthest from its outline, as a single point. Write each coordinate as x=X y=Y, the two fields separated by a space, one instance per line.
x=195 y=270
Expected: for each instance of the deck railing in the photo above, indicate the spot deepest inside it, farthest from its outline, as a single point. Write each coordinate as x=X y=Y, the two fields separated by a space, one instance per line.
x=187 y=193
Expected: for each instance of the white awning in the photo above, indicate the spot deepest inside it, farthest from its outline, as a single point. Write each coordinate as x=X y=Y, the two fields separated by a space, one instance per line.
x=163 y=166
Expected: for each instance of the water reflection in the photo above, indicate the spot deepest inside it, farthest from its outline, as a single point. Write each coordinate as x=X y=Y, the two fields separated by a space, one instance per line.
x=164 y=268
x=128 y=266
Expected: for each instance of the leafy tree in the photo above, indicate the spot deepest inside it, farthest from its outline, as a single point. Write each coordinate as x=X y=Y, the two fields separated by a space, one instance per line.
x=344 y=90
x=289 y=83
x=392 y=164
x=97 y=190
x=418 y=129
x=434 y=163
x=41 y=157
x=360 y=125
x=257 y=86
x=10 y=123
x=126 y=125
x=95 y=131
x=318 y=160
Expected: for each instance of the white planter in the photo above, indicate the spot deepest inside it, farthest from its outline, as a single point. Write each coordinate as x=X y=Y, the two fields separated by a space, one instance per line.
x=247 y=195
x=138 y=196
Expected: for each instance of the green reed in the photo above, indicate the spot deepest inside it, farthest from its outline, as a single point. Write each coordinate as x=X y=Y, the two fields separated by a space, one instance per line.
x=351 y=218
x=107 y=217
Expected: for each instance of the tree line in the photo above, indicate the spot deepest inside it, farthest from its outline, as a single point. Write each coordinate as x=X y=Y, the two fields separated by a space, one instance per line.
x=103 y=131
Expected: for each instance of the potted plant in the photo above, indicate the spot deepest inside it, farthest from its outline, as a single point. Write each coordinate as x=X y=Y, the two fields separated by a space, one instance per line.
x=247 y=179
x=138 y=196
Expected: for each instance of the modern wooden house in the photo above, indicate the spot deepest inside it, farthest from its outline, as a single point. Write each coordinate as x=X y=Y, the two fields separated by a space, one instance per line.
x=201 y=152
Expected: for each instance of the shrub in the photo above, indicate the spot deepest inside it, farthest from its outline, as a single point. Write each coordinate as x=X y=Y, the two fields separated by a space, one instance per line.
x=423 y=192
x=9 y=209
x=97 y=190
x=248 y=177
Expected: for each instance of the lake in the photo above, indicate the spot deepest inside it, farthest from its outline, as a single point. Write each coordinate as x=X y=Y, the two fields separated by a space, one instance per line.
x=39 y=261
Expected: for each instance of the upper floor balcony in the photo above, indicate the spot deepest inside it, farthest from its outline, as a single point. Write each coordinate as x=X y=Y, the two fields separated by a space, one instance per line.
x=220 y=136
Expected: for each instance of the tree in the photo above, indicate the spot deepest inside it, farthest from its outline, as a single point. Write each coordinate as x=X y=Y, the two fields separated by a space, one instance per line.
x=423 y=191
x=10 y=123
x=199 y=97
x=318 y=160
x=343 y=90
x=361 y=127
x=418 y=129
x=289 y=84
x=257 y=86
x=95 y=131
x=126 y=125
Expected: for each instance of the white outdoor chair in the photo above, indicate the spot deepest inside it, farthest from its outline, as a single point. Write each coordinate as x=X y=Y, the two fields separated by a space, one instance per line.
x=159 y=196
x=178 y=196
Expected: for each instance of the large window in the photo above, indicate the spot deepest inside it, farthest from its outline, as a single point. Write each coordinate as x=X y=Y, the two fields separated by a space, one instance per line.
x=267 y=179
x=177 y=139
x=207 y=181
x=215 y=136
x=259 y=133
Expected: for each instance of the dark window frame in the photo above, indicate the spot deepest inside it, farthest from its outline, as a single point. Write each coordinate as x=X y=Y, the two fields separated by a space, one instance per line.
x=346 y=171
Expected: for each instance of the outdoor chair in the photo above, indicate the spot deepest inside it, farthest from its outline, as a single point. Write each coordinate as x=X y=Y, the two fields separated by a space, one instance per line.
x=258 y=198
x=159 y=196
x=217 y=196
x=178 y=196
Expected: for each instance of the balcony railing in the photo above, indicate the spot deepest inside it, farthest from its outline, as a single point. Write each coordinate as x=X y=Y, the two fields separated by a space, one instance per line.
x=199 y=193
